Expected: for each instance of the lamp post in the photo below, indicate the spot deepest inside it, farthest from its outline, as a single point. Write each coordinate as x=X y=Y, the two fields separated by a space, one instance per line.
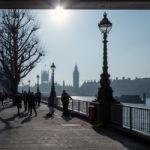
x=29 y=86
x=105 y=97
x=37 y=83
x=52 y=93
x=53 y=86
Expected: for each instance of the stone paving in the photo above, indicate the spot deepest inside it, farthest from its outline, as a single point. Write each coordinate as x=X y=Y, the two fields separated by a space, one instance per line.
x=57 y=133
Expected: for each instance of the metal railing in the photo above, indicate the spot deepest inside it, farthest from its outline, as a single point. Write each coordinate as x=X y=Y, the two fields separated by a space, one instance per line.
x=131 y=117
x=137 y=119
x=77 y=106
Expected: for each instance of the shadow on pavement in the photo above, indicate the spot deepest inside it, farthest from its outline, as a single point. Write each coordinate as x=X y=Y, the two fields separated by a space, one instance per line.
x=7 y=124
x=121 y=138
x=67 y=118
x=6 y=107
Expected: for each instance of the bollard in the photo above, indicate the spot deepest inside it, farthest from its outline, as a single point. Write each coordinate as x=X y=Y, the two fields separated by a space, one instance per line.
x=92 y=113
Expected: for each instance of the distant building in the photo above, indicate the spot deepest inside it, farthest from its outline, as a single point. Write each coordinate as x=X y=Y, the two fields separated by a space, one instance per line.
x=89 y=88
x=123 y=86
x=63 y=84
x=76 y=79
x=130 y=99
x=137 y=86
x=44 y=76
x=45 y=83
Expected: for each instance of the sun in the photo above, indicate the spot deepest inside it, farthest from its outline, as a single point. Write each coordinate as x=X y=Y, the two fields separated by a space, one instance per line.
x=59 y=15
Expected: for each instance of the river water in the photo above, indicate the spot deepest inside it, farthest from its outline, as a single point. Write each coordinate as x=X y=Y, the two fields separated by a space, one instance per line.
x=84 y=98
x=91 y=98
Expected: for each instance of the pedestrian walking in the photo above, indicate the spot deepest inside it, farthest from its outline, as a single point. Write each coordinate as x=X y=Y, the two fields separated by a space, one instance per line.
x=24 y=97
x=28 y=101
x=65 y=102
x=32 y=103
x=2 y=98
x=38 y=99
x=18 y=103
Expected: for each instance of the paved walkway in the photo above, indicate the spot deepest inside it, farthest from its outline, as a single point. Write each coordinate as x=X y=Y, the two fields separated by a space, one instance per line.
x=40 y=133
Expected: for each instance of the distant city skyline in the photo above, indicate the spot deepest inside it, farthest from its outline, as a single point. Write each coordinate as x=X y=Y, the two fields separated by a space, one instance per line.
x=124 y=86
x=77 y=40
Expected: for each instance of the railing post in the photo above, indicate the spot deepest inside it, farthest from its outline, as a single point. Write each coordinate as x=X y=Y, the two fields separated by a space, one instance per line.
x=116 y=114
x=72 y=105
x=87 y=109
x=131 y=118
x=78 y=106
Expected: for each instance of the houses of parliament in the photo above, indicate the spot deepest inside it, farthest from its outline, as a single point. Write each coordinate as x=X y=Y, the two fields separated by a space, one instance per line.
x=45 y=85
x=123 y=86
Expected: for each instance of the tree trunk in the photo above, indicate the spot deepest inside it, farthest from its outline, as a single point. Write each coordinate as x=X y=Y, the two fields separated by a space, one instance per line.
x=14 y=89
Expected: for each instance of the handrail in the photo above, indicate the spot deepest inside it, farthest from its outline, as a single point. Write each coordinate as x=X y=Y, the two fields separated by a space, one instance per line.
x=77 y=106
x=133 y=118
x=130 y=117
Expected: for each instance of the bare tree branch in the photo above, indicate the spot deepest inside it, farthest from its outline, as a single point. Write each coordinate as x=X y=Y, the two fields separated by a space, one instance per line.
x=20 y=50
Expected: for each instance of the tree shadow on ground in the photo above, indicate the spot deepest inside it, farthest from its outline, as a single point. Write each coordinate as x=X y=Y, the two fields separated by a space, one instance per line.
x=6 y=107
x=7 y=124
x=27 y=117
x=129 y=142
x=23 y=114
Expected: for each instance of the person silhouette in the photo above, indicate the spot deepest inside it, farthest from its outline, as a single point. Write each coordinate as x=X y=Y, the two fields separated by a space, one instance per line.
x=32 y=103
x=18 y=99
x=65 y=102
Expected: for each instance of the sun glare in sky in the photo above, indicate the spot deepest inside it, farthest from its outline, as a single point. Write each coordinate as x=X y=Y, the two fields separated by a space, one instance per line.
x=73 y=37
x=59 y=15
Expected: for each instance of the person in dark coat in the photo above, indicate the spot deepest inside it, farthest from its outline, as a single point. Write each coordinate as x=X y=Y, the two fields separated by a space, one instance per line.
x=18 y=103
x=32 y=103
x=2 y=98
x=28 y=103
x=38 y=98
x=65 y=102
x=24 y=97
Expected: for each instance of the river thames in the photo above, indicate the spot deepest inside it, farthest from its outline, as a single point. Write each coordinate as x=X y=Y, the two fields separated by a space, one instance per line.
x=91 y=98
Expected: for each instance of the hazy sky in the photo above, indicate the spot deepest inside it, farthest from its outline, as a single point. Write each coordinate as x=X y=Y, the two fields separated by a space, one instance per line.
x=76 y=39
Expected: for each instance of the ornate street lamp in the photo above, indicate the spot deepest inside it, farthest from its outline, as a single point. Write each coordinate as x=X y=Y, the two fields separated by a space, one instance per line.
x=53 y=69
x=29 y=86
x=105 y=96
x=37 y=83
x=52 y=93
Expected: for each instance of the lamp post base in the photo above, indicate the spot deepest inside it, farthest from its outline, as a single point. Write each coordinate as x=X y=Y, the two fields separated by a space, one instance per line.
x=103 y=111
x=105 y=100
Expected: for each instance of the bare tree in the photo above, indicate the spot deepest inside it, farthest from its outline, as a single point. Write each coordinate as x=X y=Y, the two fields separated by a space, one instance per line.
x=19 y=45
